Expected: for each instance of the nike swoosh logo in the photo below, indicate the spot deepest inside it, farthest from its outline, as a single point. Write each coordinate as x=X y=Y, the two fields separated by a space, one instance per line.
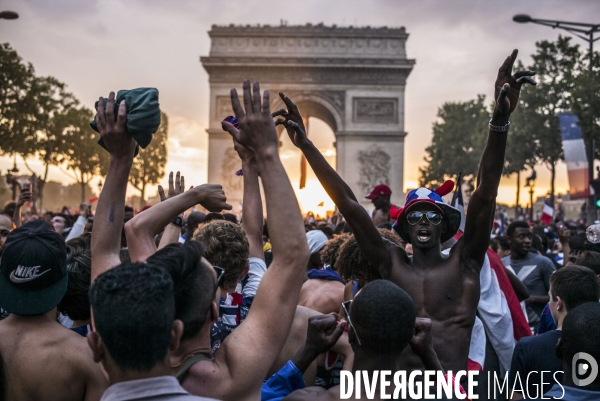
x=15 y=279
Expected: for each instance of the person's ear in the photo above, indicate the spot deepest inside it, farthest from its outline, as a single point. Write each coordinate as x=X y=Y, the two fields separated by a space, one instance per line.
x=560 y=304
x=558 y=350
x=95 y=343
x=214 y=311
x=176 y=333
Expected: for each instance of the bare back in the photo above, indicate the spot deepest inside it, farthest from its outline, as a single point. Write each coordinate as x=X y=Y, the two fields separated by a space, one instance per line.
x=448 y=294
x=322 y=295
x=46 y=361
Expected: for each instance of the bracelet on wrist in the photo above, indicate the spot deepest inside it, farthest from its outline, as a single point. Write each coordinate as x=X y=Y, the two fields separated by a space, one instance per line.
x=499 y=128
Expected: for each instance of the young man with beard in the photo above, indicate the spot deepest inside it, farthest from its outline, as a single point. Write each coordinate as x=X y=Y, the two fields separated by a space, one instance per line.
x=444 y=289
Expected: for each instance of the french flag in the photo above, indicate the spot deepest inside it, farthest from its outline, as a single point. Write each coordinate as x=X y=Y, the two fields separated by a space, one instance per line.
x=457 y=202
x=575 y=155
x=547 y=213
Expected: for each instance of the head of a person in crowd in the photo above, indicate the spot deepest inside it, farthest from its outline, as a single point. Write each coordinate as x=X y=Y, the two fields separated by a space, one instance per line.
x=60 y=222
x=503 y=246
x=380 y=196
x=230 y=217
x=193 y=221
x=376 y=331
x=590 y=259
x=519 y=238
x=580 y=250
x=316 y=241
x=542 y=247
x=326 y=229
x=577 y=240
x=494 y=245
x=9 y=207
x=351 y=263
x=76 y=304
x=6 y=226
x=331 y=250
x=426 y=220
x=194 y=279
x=48 y=216
x=537 y=245
x=136 y=342
x=570 y=287
x=579 y=336
x=226 y=246
x=33 y=270
x=342 y=228
x=213 y=216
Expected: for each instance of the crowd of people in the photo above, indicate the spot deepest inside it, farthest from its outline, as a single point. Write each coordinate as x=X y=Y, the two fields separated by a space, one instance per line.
x=169 y=304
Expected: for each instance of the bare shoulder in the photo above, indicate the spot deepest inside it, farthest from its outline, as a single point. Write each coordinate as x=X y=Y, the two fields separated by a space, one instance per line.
x=315 y=393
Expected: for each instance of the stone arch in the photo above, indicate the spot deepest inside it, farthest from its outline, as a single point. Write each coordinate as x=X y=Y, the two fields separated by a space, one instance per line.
x=353 y=79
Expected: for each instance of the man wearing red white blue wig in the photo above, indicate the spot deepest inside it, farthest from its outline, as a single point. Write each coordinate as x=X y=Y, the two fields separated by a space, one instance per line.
x=444 y=288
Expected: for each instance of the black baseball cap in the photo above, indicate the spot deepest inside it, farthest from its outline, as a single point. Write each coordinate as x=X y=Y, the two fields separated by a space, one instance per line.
x=33 y=271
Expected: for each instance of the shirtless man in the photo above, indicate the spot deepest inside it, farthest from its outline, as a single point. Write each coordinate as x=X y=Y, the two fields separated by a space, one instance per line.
x=380 y=198
x=42 y=360
x=445 y=289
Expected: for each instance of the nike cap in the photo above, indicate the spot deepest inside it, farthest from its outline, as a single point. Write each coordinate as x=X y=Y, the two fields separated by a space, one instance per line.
x=33 y=271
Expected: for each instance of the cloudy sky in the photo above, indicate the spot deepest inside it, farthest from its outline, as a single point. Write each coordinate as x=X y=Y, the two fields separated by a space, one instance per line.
x=98 y=46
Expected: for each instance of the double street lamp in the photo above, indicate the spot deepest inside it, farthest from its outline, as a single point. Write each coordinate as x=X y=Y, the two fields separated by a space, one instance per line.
x=586 y=32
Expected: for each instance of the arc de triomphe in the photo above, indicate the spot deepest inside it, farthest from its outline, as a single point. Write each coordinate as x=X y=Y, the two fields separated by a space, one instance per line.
x=351 y=78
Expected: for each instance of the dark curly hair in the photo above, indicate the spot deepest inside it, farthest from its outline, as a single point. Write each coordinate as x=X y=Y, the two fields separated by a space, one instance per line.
x=330 y=251
x=75 y=302
x=225 y=245
x=351 y=261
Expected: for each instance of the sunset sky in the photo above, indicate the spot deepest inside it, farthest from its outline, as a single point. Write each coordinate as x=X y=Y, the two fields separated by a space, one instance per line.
x=98 y=46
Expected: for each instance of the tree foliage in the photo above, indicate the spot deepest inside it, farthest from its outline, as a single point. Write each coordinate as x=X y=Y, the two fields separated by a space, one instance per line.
x=149 y=165
x=458 y=141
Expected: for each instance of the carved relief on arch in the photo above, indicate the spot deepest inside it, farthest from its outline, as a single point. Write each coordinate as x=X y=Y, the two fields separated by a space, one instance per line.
x=374 y=168
x=231 y=163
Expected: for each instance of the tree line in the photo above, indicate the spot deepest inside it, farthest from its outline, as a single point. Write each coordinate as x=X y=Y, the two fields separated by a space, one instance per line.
x=564 y=85
x=40 y=119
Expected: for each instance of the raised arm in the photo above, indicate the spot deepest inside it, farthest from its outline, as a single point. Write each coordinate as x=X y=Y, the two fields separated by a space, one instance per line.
x=24 y=197
x=142 y=229
x=252 y=213
x=368 y=238
x=108 y=221
x=481 y=206
x=248 y=353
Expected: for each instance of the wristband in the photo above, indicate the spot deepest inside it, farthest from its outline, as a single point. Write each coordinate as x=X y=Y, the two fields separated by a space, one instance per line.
x=499 y=128
x=177 y=221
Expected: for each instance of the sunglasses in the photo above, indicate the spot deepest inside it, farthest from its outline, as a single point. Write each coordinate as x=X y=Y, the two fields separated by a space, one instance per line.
x=346 y=306
x=4 y=233
x=434 y=218
x=220 y=276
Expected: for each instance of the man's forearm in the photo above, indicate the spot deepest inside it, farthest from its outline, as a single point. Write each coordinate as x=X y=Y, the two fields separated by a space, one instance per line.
x=538 y=299
x=336 y=188
x=170 y=236
x=108 y=221
x=252 y=212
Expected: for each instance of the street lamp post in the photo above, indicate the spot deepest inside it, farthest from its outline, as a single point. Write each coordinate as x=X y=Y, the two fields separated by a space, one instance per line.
x=578 y=29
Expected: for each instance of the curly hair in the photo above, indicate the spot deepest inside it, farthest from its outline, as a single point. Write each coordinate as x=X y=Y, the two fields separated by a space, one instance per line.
x=351 y=261
x=225 y=245
x=331 y=250
x=75 y=302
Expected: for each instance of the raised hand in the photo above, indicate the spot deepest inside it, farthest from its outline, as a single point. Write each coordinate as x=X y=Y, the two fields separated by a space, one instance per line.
x=421 y=341
x=212 y=197
x=323 y=332
x=25 y=196
x=84 y=209
x=508 y=86
x=114 y=132
x=257 y=129
x=174 y=189
x=292 y=121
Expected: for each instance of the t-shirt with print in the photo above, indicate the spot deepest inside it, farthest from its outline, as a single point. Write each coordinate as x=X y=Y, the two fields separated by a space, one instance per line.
x=534 y=271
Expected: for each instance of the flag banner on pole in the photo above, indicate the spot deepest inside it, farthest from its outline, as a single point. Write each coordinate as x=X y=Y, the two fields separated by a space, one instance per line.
x=547 y=213
x=457 y=202
x=575 y=155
